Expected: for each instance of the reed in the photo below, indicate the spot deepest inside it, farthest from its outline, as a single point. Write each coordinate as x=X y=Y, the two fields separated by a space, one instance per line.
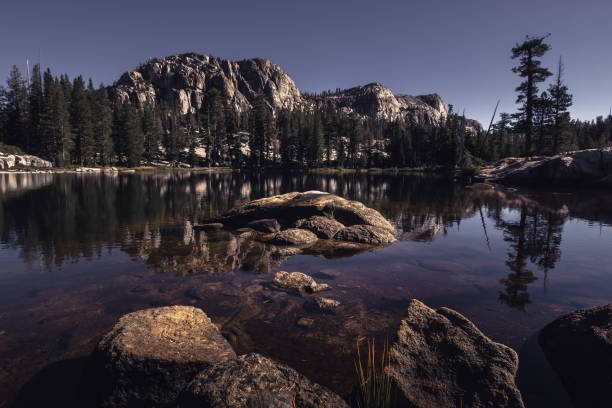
x=374 y=386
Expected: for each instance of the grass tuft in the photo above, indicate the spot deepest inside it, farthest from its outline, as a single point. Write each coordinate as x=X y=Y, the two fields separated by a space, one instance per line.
x=374 y=386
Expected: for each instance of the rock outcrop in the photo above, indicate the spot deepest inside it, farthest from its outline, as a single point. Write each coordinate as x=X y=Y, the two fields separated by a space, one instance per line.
x=8 y=161
x=349 y=221
x=579 y=347
x=175 y=356
x=441 y=359
x=252 y=380
x=592 y=167
x=377 y=101
x=150 y=355
x=183 y=81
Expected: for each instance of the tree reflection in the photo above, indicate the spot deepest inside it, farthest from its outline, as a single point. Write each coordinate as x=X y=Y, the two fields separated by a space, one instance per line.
x=534 y=241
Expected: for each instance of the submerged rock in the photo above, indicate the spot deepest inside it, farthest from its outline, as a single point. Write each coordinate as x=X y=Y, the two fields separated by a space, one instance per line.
x=305 y=322
x=253 y=380
x=326 y=304
x=294 y=236
x=579 y=347
x=441 y=359
x=150 y=355
x=323 y=227
x=298 y=281
x=366 y=234
x=265 y=225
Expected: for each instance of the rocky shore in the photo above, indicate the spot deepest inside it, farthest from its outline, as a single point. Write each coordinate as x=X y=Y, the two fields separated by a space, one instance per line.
x=175 y=356
x=592 y=168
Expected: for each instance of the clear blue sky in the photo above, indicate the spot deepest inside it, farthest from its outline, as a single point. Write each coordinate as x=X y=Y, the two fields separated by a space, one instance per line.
x=457 y=48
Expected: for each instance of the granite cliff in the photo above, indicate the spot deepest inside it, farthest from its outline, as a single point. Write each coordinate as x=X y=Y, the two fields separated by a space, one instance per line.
x=183 y=80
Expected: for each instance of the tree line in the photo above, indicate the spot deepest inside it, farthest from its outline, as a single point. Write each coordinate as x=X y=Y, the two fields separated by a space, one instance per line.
x=70 y=122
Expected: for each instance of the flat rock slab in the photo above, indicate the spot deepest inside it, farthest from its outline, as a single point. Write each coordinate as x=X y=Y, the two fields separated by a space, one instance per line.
x=579 y=347
x=298 y=281
x=150 y=355
x=252 y=380
x=441 y=359
x=294 y=236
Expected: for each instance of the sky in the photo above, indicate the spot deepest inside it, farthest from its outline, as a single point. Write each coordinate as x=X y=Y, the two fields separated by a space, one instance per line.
x=459 y=49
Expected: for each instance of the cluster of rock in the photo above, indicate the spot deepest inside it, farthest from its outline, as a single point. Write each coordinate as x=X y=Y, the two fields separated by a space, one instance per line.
x=175 y=356
x=183 y=81
x=305 y=219
x=8 y=161
x=592 y=167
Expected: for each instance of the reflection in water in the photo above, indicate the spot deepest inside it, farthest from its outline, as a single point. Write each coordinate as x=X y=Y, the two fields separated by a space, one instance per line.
x=482 y=251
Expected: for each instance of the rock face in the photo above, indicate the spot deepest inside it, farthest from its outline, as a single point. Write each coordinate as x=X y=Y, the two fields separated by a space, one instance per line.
x=298 y=281
x=183 y=80
x=252 y=380
x=442 y=360
x=377 y=101
x=149 y=356
x=584 y=167
x=8 y=161
x=579 y=347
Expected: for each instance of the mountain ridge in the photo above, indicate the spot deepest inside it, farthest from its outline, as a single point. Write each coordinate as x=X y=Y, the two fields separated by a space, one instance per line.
x=182 y=80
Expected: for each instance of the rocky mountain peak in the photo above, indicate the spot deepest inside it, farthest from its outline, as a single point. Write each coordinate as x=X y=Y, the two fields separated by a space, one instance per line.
x=183 y=80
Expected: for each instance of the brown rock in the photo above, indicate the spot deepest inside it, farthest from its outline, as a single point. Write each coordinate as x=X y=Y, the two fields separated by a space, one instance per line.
x=150 y=355
x=323 y=227
x=254 y=380
x=442 y=360
x=294 y=236
x=579 y=347
x=298 y=281
x=366 y=234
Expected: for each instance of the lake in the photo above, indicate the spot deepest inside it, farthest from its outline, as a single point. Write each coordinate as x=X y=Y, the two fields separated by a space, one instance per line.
x=78 y=251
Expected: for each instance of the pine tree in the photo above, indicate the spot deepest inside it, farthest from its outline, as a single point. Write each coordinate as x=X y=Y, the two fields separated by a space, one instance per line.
x=81 y=122
x=16 y=112
x=560 y=101
x=102 y=116
x=529 y=68
x=258 y=127
x=130 y=133
x=152 y=130
x=34 y=142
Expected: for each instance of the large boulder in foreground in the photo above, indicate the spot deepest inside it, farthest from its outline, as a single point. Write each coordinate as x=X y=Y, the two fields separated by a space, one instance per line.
x=252 y=380
x=441 y=359
x=582 y=167
x=292 y=207
x=579 y=347
x=150 y=355
x=323 y=227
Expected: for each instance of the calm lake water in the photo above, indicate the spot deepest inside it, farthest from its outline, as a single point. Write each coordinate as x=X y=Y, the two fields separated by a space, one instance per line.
x=78 y=251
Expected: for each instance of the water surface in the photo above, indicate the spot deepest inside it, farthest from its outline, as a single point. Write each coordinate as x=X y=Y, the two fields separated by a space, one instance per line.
x=78 y=251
